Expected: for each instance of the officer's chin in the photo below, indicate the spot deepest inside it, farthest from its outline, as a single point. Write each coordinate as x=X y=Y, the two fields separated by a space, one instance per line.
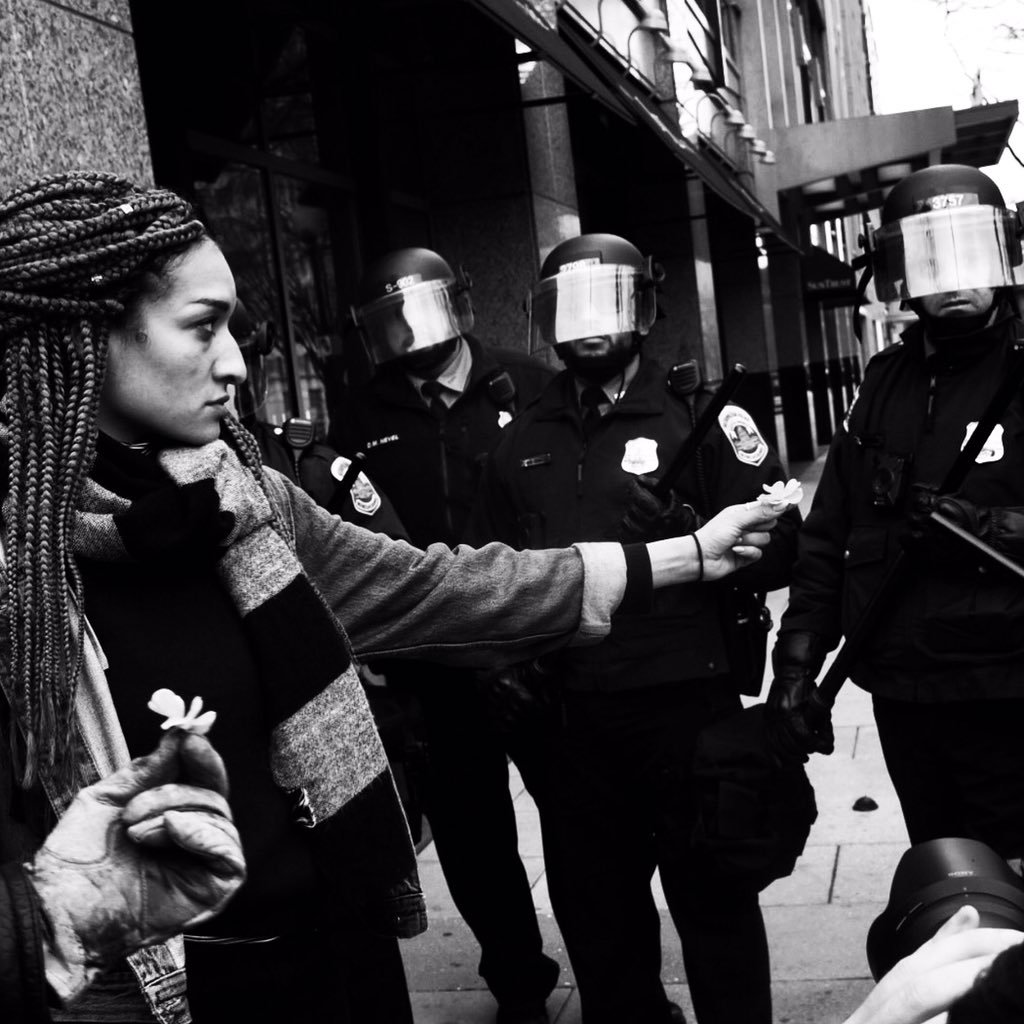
x=429 y=362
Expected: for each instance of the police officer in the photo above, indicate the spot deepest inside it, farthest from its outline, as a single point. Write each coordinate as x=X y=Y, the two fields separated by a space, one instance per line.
x=434 y=408
x=945 y=662
x=580 y=464
x=293 y=449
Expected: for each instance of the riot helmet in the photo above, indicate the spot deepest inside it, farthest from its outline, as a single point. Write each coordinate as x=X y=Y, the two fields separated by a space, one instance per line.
x=413 y=307
x=256 y=341
x=593 y=301
x=944 y=229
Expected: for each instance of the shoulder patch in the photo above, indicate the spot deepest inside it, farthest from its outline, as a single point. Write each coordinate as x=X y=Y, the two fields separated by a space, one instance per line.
x=741 y=432
x=365 y=498
x=992 y=450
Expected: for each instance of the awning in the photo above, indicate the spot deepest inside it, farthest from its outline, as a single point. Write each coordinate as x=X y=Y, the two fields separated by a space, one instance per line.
x=828 y=280
x=720 y=181
x=527 y=25
x=573 y=52
x=982 y=134
x=845 y=167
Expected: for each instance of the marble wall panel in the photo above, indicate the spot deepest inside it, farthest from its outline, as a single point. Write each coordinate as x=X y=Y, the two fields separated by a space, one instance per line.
x=113 y=12
x=69 y=91
x=494 y=239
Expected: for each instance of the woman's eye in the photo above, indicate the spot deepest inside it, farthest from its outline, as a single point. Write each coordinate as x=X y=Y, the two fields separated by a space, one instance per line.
x=207 y=329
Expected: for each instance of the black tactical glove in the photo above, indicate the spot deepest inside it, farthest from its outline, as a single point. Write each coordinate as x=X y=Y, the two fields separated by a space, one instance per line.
x=797 y=660
x=648 y=517
x=1001 y=528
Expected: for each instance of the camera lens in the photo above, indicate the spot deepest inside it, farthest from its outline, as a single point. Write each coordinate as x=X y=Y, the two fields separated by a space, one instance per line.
x=932 y=881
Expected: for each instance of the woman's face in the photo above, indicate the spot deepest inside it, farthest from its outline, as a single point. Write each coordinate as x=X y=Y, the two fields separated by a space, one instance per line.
x=170 y=374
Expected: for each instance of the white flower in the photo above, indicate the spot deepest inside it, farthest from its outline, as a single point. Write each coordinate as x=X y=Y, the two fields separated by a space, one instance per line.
x=779 y=494
x=168 y=703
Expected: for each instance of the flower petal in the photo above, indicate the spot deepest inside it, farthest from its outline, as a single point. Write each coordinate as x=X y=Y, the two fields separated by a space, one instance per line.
x=201 y=725
x=166 y=702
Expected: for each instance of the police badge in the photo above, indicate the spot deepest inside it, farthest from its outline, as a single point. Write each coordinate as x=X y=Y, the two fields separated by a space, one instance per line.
x=640 y=456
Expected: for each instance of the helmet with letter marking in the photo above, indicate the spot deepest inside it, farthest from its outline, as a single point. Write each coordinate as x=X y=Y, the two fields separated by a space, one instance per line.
x=414 y=307
x=944 y=229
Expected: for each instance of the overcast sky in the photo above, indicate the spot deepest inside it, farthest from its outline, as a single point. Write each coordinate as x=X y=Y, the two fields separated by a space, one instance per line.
x=926 y=57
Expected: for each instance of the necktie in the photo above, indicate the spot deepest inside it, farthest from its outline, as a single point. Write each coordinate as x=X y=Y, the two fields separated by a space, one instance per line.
x=591 y=399
x=431 y=391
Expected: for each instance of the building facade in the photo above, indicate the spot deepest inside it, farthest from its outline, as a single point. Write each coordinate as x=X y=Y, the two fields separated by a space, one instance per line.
x=731 y=139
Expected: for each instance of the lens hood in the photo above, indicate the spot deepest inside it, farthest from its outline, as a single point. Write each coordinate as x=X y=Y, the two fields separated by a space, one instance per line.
x=931 y=882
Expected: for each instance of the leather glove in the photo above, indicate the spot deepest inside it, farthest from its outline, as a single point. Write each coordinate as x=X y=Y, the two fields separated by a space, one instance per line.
x=1001 y=528
x=647 y=517
x=136 y=858
x=797 y=660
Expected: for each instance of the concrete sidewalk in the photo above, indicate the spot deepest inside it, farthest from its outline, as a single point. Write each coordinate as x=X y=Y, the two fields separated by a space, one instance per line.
x=817 y=919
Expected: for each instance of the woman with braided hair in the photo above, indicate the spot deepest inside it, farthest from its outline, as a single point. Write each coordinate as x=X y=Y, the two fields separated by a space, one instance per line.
x=146 y=548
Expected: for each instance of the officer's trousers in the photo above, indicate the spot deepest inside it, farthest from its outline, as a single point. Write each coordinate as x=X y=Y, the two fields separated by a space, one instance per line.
x=958 y=768
x=615 y=807
x=472 y=821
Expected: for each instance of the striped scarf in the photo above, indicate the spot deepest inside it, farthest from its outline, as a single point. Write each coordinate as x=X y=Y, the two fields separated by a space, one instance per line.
x=325 y=751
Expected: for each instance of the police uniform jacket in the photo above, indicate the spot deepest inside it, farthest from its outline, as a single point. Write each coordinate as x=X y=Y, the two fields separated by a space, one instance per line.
x=319 y=471
x=431 y=469
x=546 y=487
x=951 y=632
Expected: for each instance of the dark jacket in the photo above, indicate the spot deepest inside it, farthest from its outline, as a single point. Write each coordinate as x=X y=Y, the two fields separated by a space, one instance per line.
x=544 y=487
x=317 y=471
x=951 y=632
x=431 y=470
x=23 y=993
x=22 y=978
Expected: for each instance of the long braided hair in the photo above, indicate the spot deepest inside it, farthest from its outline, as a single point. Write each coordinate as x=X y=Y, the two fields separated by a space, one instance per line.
x=78 y=253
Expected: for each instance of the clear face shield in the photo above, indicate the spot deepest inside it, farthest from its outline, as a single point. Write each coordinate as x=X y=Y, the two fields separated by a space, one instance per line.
x=590 y=301
x=414 y=318
x=947 y=250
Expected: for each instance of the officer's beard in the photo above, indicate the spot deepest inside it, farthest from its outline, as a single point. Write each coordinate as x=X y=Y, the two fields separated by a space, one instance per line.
x=964 y=338
x=598 y=369
x=952 y=328
x=430 y=363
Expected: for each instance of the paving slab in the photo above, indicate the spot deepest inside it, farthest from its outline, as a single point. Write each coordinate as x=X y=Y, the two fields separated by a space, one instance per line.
x=810 y=882
x=445 y=957
x=472 y=1006
x=856 y=769
x=819 y=943
x=864 y=871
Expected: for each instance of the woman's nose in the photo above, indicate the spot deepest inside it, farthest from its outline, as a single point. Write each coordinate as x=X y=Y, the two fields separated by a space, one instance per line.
x=230 y=365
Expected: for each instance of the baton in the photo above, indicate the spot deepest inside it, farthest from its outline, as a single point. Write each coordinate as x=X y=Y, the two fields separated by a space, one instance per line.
x=705 y=422
x=977 y=545
x=354 y=469
x=825 y=694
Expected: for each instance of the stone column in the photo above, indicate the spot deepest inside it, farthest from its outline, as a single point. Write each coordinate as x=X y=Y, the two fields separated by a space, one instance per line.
x=69 y=92
x=741 y=311
x=791 y=346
